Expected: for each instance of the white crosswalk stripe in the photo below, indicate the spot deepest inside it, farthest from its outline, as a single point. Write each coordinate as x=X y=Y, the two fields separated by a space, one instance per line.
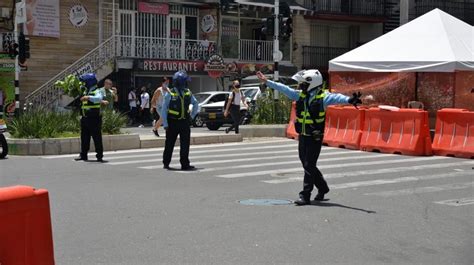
x=300 y=170
x=193 y=147
x=293 y=162
x=369 y=172
x=288 y=146
x=417 y=190
x=457 y=202
x=367 y=183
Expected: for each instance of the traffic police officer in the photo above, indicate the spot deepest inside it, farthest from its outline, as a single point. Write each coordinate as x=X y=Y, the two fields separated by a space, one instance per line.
x=177 y=119
x=311 y=104
x=91 y=120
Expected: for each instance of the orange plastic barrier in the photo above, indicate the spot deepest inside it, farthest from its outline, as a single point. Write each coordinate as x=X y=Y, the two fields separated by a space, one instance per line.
x=25 y=227
x=344 y=127
x=454 y=135
x=290 y=130
x=403 y=132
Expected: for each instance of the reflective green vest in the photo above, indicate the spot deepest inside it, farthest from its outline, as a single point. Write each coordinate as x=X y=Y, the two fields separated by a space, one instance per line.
x=88 y=105
x=179 y=105
x=310 y=114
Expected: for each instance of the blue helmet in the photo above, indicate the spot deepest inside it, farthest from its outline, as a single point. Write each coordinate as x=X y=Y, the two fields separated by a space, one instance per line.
x=180 y=79
x=89 y=80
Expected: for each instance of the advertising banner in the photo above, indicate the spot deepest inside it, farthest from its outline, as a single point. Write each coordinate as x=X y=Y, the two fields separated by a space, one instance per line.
x=42 y=18
x=7 y=85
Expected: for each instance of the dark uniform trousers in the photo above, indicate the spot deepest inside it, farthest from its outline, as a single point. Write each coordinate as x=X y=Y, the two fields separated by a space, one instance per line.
x=175 y=128
x=91 y=126
x=309 y=149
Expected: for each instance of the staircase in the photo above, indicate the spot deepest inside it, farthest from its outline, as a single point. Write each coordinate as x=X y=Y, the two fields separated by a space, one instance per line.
x=392 y=9
x=100 y=60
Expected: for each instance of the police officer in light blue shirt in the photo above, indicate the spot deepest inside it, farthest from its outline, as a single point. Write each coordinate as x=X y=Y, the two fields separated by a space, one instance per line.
x=311 y=104
x=177 y=119
x=91 y=120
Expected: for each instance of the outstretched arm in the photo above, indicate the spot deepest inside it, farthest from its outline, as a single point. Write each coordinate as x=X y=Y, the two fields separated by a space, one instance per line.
x=333 y=99
x=289 y=92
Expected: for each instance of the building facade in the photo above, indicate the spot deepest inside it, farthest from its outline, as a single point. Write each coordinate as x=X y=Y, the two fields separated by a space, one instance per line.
x=136 y=42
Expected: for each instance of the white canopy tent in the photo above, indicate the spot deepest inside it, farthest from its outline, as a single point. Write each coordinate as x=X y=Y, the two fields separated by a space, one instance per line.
x=434 y=42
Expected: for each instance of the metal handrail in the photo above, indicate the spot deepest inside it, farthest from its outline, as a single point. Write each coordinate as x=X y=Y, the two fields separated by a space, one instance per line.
x=47 y=94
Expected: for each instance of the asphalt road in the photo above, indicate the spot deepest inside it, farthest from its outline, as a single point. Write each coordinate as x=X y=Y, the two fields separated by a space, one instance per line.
x=382 y=209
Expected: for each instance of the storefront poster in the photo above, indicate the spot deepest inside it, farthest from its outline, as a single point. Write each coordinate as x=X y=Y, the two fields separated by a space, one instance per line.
x=42 y=18
x=7 y=88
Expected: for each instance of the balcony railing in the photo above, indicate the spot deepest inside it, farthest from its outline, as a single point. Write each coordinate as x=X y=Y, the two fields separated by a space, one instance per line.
x=463 y=10
x=319 y=57
x=162 y=48
x=253 y=50
x=348 y=7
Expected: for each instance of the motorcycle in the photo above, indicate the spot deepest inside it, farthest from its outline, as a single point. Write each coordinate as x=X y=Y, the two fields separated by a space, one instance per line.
x=3 y=140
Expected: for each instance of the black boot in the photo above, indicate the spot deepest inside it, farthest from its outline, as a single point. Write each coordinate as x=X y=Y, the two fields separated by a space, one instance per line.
x=302 y=201
x=80 y=158
x=320 y=195
x=188 y=167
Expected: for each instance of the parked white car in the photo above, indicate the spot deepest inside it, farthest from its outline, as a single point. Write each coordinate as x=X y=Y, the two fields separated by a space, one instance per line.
x=212 y=114
x=207 y=98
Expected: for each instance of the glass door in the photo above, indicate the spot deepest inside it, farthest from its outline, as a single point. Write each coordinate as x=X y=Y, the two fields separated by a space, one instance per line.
x=176 y=37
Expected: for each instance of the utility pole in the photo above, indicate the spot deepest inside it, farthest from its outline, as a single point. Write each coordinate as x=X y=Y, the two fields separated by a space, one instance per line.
x=20 y=17
x=276 y=44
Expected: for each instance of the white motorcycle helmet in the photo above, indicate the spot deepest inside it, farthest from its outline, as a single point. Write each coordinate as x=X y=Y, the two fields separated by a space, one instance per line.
x=311 y=78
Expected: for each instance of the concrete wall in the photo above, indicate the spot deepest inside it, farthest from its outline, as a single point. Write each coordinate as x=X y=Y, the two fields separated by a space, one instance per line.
x=301 y=37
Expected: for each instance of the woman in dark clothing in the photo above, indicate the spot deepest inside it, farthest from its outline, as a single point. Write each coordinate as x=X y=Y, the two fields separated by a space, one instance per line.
x=233 y=104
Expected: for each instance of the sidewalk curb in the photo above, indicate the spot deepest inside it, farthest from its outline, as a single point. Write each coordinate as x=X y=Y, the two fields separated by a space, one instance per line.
x=62 y=146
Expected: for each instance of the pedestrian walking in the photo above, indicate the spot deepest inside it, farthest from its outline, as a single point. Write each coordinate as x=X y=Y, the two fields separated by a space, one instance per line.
x=144 y=107
x=157 y=104
x=233 y=105
x=311 y=104
x=91 y=120
x=176 y=119
x=132 y=103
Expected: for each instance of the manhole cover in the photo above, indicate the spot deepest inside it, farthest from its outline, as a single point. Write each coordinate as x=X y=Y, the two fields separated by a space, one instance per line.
x=265 y=202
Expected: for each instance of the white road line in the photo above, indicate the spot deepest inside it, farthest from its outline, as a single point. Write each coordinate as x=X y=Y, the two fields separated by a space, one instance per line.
x=295 y=162
x=219 y=162
x=159 y=160
x=286 y=146
x=455 y=186
x=397 y=180
x=132 y=151
x=367 y=172
x=457 y=202
x=233 y=154
x=300 y=169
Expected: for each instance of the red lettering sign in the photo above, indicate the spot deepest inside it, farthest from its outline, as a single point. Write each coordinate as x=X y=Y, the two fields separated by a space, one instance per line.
x=154 y=8
x=172 y=66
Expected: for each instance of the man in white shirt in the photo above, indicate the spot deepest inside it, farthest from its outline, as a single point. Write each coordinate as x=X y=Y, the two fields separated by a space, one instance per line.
x=144 y=107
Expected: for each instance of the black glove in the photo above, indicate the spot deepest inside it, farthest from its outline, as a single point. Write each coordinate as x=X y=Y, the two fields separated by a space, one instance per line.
x=355 y=99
